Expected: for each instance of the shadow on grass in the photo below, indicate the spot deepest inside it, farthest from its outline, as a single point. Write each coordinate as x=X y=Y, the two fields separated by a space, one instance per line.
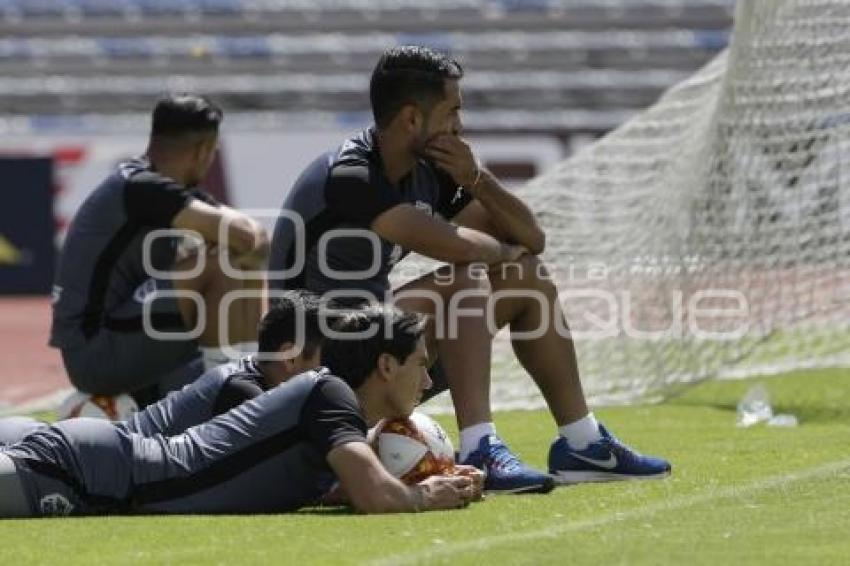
x=327 y=511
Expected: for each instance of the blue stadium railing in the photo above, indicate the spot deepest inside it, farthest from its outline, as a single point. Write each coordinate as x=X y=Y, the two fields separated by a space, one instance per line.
x=167 y=8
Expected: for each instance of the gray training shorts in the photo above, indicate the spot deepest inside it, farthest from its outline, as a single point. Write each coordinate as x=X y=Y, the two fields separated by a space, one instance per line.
x=24 y=493
x=121 y=357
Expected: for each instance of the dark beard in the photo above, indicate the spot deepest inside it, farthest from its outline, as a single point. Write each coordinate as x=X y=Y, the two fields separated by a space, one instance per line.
x=420 y=153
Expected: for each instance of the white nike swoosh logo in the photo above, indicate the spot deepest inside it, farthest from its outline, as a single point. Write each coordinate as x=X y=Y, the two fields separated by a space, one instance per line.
x=608 y=464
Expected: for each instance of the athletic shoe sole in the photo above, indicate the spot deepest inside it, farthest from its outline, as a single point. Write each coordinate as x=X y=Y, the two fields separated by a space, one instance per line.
x=567 y=478
x=539 y=488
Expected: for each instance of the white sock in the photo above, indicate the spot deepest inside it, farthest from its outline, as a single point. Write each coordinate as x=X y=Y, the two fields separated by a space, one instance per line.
x=247 y=347
x=582 y=432
x=471 y=436
x=213 y=357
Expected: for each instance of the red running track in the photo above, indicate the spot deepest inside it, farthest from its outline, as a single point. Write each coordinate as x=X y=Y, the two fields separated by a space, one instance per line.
x=29 y=368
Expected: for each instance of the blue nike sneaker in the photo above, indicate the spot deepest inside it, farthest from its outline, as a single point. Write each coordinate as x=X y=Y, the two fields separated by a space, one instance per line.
x=504 y=472
x=604 y=460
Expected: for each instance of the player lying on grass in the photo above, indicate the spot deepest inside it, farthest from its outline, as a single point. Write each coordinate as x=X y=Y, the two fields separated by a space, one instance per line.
x=229 y=385
x=102 y=278
x=412 y=183
x=276 y=452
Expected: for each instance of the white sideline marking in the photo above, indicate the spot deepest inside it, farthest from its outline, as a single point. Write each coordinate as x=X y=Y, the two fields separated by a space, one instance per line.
x=487 y=543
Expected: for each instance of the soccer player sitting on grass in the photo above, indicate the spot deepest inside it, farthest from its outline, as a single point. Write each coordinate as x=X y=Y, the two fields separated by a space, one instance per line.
x=228 y=385
x=104 y=275
x=272 y=453
x=412 y=183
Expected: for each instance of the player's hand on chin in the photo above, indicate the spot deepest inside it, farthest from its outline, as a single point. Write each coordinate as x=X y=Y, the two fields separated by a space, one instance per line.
x=446 y=492
x=453 y=155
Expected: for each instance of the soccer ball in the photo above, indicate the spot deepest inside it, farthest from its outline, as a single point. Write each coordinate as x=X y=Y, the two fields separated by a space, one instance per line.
x=79 y=404
x=414 y=448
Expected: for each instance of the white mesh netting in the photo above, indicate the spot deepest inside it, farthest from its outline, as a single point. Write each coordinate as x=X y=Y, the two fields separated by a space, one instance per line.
x=731 y=193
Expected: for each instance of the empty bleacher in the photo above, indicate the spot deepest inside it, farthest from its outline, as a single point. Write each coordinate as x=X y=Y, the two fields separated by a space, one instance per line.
x=298 y=16
x=73 y=56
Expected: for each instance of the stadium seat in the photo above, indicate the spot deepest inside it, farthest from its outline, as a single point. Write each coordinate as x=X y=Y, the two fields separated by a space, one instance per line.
x=616 y=55
x=219 y=7
x=243 y=47
x=15 y=49
x=126 y=47
x=525 y=5
x=101 y=8
x=41 y=8
x=159 y=8
x=711 y=39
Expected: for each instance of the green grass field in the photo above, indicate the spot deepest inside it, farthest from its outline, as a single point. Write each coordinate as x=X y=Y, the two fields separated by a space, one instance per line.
x=737 y=496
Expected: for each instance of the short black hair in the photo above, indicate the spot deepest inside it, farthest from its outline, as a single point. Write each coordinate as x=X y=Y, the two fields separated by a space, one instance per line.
x=409 y=74
x=176 y=115
x=281 y=323
x=353 y=358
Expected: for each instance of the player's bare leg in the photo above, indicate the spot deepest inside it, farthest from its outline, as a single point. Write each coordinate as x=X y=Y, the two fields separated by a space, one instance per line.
x=584 y=450
x=245 y=313
x=239 y=323
x=549 y=359
x=466 y=355
x=466 y=360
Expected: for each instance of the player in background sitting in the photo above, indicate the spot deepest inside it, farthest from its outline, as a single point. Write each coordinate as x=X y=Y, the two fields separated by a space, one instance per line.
x=102 y=278
x=413 y=183
x=272 y=453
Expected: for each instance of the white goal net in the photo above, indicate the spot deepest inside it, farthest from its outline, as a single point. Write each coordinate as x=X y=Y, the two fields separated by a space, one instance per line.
x=710 y=235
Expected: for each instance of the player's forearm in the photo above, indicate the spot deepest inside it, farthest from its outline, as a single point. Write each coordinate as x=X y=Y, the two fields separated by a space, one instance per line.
x=254 y=259
x=391 y=497
x=455 y=245
x=435 y=238
x=480 y=248
x=372 y=489
x=247 y=241
x=512 y=216
x=227 y=228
